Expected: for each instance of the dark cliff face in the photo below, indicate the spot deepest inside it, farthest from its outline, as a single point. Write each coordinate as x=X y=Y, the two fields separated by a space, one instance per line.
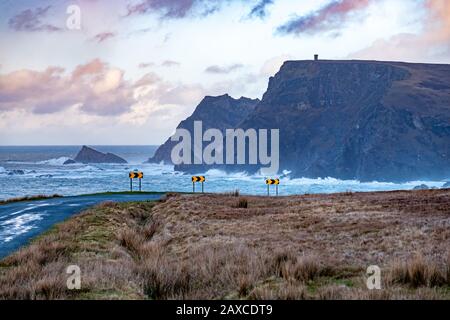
x=222 y=112
x=89 y=155
x=359 y=119
x=364 y=120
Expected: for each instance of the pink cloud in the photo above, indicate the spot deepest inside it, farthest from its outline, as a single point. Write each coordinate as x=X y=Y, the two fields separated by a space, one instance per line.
x=95 y=66
x=432 y=44
x=95 y=86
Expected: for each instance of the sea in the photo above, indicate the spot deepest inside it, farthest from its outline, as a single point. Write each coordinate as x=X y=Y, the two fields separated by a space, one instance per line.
x=39 y=170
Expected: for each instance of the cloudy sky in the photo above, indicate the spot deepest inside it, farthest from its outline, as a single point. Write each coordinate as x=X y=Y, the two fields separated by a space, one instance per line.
x=135 y=68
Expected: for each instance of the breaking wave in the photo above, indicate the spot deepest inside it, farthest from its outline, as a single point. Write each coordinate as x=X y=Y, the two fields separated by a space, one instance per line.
x=54 y=162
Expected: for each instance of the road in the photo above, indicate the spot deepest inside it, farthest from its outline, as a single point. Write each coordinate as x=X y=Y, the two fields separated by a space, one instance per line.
x=21 y=221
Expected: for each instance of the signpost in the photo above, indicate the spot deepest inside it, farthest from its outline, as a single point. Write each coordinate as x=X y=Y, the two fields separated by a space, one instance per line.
x=196 y=179
x=269 y=182
x=135 y=175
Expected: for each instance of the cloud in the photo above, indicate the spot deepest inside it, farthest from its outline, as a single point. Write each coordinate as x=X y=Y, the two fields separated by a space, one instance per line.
x=273 y=65
x=223 y=70
x=96 y=87
x=93 y=67
x=169 y=8
x=170 y=63
x=260 y=9
x=31 y=20
x=145 y=65
x=177 y=9
x=103 y=36
x=431 y=44
x=165 y=64
x=182 y=95
x=329 y=17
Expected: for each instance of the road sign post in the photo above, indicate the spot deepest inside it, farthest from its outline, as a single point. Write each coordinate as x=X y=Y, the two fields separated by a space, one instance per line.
x=136 y=175
x=196 y=179
x=270 y=182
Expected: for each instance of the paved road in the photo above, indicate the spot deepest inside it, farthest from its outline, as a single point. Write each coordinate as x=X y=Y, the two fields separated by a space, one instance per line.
x=21 y=221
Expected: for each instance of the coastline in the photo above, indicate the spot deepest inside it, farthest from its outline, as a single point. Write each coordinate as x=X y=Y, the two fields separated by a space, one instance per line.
x=210 y=246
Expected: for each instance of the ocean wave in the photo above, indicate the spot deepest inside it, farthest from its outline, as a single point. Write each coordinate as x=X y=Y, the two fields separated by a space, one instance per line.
x=321 y=181
x=2 y=170
x=220 y=173
x=55 y=161
x=88 y=168
x=156 y=169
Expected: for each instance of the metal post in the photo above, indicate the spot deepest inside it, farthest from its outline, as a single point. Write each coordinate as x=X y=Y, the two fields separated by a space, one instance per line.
x=277 y=189
x=268 y=190
x=131 y=185
x=202 y=187
x=193 y=187
x=139 y=184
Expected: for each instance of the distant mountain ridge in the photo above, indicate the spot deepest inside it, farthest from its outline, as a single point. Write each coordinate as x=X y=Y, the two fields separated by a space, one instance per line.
x=364 y=120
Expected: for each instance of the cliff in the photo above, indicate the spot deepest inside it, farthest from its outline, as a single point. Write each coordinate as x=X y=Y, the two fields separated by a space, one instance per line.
x=220 y=112
x=364 y=120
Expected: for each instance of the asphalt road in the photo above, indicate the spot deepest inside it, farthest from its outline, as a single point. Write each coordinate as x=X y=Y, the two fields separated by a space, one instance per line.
x=21 y=221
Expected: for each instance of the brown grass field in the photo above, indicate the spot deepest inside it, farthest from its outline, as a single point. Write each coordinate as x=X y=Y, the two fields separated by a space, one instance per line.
x=234 y=247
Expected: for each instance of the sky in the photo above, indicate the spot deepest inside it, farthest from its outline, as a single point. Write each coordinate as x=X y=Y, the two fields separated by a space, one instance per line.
x=126 y=72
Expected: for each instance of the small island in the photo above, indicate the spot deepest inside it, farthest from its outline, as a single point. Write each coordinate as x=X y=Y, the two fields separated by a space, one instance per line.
x=89 y=155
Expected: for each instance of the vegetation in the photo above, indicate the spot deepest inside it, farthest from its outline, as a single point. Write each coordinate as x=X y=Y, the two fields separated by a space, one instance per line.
x=242 y=203
x=207 y=247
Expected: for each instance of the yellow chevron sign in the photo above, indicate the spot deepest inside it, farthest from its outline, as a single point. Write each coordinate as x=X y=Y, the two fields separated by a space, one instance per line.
x=198 y=179
x=272 y=181
x=136 y=175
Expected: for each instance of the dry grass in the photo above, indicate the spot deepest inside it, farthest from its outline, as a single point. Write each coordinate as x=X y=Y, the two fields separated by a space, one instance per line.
x=242 y=203
x=420 y=273
x=207 y=247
